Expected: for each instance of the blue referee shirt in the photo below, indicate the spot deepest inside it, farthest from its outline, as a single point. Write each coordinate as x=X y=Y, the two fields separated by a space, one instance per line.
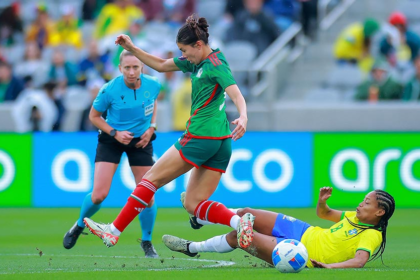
x=128 y=109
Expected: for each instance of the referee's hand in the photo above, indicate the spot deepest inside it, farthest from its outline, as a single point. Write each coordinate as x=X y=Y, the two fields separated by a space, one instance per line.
x=145 y=138
x=124 y=137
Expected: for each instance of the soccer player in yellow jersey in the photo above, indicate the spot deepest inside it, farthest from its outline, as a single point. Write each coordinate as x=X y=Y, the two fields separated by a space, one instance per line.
x=356 y=236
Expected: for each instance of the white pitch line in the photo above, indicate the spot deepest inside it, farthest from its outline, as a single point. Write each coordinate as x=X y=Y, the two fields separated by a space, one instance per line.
x=218 y=263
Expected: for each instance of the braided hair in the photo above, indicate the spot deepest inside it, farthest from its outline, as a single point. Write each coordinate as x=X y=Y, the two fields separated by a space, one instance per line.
x=193 y=30
x=387 y=203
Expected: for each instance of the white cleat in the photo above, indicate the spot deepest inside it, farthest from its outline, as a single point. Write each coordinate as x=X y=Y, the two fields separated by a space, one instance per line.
x=103 y=231
x=177 y=244
x=245 y=231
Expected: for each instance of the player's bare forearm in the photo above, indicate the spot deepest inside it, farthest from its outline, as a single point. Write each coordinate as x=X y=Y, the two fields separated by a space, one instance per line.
x=238 y=99
x=96 y=118
x=157 y=63
x=359 y=261
x=154 y=116
x=323 y=210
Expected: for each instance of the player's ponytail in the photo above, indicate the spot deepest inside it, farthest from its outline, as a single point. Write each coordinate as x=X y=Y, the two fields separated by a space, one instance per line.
x=386 y=202
x=193 y=30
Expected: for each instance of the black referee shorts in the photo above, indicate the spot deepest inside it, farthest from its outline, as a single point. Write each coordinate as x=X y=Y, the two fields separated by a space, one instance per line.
x=110 y=150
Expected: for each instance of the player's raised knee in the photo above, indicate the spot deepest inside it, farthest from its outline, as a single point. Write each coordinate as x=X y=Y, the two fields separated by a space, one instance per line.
x=243 y=211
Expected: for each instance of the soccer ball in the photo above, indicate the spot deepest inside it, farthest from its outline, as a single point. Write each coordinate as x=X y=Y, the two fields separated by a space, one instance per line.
x=290 y=256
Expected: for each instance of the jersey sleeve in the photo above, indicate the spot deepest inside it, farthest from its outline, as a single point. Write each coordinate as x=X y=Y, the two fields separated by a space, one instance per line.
x=101 y=101
x=222 y=75
x=370 y=241
x=183 y=64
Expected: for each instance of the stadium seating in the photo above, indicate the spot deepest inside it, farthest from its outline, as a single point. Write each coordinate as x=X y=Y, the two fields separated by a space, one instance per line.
x=212 y=10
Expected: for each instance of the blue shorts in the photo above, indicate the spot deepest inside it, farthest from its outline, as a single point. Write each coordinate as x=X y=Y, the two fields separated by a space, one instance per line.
x=287 y=227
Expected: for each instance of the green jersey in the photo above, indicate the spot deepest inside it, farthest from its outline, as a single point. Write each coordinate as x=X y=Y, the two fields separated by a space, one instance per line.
x=209 y=80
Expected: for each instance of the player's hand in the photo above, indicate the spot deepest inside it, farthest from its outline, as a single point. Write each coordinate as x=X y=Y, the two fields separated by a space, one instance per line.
x=125 y=42
x=240 y=128
x=124 y=137
x=324 y=194
x=320 y=264
x=145 y=138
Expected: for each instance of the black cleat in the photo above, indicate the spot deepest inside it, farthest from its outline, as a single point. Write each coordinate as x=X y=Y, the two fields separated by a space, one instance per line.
x=193 y=219
x=149 y=250
x=71 y=236
x=194 y=224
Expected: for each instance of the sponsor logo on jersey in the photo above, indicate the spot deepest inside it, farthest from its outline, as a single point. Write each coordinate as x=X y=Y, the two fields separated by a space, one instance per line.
x=199 y=73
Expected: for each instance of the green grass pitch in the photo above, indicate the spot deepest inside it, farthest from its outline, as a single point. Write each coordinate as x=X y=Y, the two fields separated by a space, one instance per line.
x=25 y=233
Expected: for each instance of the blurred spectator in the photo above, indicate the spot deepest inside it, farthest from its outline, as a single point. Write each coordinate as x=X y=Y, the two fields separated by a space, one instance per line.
x=412 y=89
x=67 y=29
x=309 y=17
x=95 y=65
x=409 y=43
x=2 y=58
x=92 y=8
x=152 y=9
x=93 y=87
x=10 y=25
x=10 y=86
x=137 y=35
x=116 y=17
x=181 y=104
x=33 y=68
x=171 y=11
x=35 y=110
x=233 y=7
x=171 y=81
x=62 y=72
x=380 y=86
x=353 y=44
x=49 y=89
x=283 y=12
x=41 y=30
x=254 y=25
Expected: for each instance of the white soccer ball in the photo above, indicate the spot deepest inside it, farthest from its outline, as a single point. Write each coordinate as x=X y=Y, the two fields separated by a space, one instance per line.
x=290 y=256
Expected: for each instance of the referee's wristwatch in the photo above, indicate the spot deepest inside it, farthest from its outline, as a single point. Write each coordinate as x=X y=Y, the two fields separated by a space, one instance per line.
x=113 y=132
x=154 y=125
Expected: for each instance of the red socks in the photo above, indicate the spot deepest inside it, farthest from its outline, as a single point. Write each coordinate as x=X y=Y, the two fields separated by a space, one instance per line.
x=214 y=212
x=137 y=201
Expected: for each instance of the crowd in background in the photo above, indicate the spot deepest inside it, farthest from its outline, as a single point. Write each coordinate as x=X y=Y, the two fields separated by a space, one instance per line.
x=386 y=54
x=55 y=55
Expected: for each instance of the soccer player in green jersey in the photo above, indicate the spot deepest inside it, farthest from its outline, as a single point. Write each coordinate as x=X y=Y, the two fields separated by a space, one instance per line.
x=355 y=237
x=205 y=145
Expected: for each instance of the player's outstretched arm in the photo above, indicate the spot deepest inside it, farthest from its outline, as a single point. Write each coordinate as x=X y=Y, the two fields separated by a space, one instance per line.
x=358 y=261
x=323 y=210
x=241 y=122
x=157 y=63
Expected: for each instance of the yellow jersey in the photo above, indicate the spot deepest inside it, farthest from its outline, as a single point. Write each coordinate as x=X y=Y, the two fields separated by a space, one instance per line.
x=349 y=44
x=339 y=243
x=113 y=19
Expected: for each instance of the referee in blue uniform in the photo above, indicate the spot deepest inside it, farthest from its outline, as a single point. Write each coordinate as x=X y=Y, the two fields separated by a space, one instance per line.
x=130 y=102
